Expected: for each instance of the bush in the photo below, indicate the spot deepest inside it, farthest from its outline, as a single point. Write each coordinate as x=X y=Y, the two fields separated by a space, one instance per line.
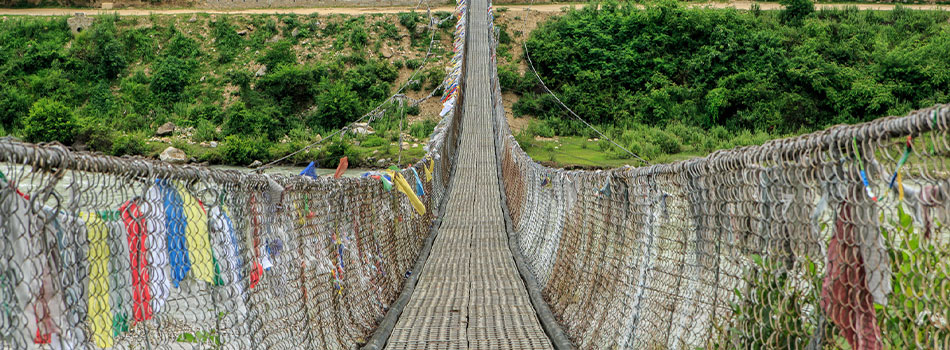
x=422 y=129
x=796 y=10
x=412 y=110
x=226 y=40
x=244 y=150
x=413 y=63
x=14 y=104
x=336 y=106
x=358 y=38
x=281 y=53
x=50 y=120
x=374 y=141
x=260 y=122
x=182 y=47
x=666 y=142
x=129 y=144
x=205 y=131
x=95 y=134
x=409 y=20
x=291 y=85
x=171 y=76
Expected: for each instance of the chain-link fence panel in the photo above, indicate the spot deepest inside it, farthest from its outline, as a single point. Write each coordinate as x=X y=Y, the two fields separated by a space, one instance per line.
x=835 y=239
x=131 y=253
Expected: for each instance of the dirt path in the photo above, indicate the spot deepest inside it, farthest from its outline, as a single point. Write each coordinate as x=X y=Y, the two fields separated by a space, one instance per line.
x=743 y=5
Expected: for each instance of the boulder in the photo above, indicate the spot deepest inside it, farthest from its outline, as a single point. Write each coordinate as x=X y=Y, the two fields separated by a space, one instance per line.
x=213 y=144
x=261 y=72
x=362 y=129
x=166 y=129
x=193 y=19
x=295 y=32
x=255 y=164
x=173 y=155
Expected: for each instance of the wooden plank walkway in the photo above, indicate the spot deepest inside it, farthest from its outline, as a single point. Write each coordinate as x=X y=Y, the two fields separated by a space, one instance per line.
x=469 y=295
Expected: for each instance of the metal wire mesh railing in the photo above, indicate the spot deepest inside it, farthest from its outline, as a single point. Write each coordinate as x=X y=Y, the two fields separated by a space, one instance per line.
x=836 y=239
x=106 y=252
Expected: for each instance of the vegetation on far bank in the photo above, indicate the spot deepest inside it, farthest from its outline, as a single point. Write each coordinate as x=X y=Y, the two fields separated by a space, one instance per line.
x=670 y=82
x=255 y=86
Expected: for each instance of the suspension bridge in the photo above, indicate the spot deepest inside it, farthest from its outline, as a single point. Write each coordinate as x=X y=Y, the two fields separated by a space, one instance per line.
x=828 y=240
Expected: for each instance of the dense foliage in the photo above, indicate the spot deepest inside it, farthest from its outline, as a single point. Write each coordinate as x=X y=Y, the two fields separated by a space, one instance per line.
x=260 y=86
x=663 y=76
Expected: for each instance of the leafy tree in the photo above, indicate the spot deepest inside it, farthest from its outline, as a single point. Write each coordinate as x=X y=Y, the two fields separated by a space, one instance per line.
x=337 y=106
x=171 y=76
x=796 y=10
x=259 y=121
x=14 y=104
x=244 y=150
x=50 y=120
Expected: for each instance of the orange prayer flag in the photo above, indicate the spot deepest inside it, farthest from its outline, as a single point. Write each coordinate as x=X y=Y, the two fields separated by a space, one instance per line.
x=340 y=169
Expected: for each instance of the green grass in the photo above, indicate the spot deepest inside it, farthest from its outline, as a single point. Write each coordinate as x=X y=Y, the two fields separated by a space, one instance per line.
x=577 y=151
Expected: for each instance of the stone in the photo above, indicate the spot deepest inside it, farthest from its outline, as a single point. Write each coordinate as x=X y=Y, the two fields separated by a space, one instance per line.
x=274 y=39
x=242 y=32
x=255 y=164
x=387 y=52
x=381 y=162
x=405 y=145
x=166 y=129
x=294 y=33
x=415 y=145
x=362 y=129
x=173 y=155
x=261 y=72
x=213 y=144
x=79 y=22
x=193 y=19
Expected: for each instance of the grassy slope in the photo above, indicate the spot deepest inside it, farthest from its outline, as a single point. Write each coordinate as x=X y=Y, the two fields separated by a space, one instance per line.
x=320 y=41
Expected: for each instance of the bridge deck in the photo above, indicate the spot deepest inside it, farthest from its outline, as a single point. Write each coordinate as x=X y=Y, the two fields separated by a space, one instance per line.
x=469 y=294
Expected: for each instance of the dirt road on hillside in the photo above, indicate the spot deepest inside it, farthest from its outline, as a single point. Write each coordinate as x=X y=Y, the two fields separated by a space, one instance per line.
x=742 y=5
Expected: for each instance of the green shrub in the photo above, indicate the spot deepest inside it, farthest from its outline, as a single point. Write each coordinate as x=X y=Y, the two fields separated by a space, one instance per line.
x=14 y=104
x=205 y=131
x=374 y=141
x=358 y=38
x=413 y=63
x=182 y=47
x=503 y=37
x=388 y=30
x=260 y=121
x=412 y=110
x=281 y=52
x=409 y=20
x=666 y=142
x=50 y=120
x=94 y=133
x=336 y=106
x=228 y=43
x=129 y=144
x=171 y=76
x=244 y=150
x=422 y=129
x=292 y=86
x=796 y=10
